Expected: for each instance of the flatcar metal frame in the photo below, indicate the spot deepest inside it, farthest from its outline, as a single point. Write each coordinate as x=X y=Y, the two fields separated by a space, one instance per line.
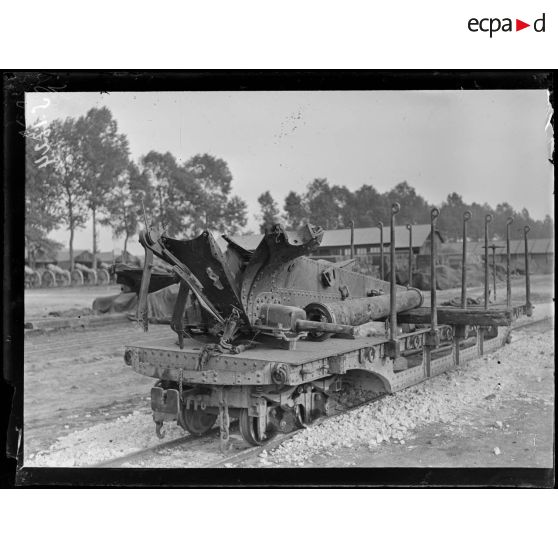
x=415 y=345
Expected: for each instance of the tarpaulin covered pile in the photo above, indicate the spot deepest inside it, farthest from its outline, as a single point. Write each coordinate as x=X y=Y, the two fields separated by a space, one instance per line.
x=160 y=304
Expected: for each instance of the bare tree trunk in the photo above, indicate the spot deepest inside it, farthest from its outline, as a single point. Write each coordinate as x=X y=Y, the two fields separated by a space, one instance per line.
x=161 y=223
x=94 y=263
x=71 y=225
x=125 y=252
x=71 y=246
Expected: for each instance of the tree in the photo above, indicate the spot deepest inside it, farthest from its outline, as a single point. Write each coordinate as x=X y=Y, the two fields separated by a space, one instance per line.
x=234 y=215
x=370 y=206
x=344 y=201
x=451 y=217
x=333 y=207
x=414 y=208
x=547 y=227
x=174 y=196
x=215 y=207
x=475 y=227
x=66 y=175
x=269 y=211
x=40 y=245
x=295 y=212
x=320 y=201
x=500 y=216
x=103 y=157
x=41 y=193
x=124 y=204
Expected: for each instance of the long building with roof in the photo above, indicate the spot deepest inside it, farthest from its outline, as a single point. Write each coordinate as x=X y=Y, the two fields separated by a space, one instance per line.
x=336 y=244
x=541 y=253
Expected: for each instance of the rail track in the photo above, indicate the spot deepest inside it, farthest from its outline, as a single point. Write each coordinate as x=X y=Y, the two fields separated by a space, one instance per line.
x=233 y=457
x=211 y=438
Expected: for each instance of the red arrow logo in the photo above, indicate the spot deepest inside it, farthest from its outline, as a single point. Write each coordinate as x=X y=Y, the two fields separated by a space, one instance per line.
x=519 y=25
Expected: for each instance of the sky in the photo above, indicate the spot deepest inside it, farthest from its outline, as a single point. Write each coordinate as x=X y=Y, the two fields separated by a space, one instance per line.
x=488 y=146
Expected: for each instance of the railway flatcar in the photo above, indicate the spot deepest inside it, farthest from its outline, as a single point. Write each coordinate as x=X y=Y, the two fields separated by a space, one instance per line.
x=273 y=338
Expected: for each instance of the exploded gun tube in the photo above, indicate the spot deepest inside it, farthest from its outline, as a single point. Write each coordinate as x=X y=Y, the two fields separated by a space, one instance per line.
x=358 y=311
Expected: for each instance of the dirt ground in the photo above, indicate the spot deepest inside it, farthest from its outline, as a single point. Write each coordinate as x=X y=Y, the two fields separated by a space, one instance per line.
x=77 y=387
x=39 y=302
x=75 y=379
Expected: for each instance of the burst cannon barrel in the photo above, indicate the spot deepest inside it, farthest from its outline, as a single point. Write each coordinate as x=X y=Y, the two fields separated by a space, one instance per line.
x=337 y=317
x=358 y=311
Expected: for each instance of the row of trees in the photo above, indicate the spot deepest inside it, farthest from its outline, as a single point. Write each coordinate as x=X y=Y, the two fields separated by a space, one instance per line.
x=81 y=168
x=333 y=207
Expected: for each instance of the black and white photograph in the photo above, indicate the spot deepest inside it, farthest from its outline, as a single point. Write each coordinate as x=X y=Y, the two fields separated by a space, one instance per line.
x=272 y=278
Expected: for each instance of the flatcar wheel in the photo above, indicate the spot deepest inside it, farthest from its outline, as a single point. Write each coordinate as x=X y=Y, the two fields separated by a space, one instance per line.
x=249 y=429
x=197 y=422
x=299 y=417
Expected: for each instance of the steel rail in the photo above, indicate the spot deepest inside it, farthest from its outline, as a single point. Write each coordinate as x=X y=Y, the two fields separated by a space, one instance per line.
x=278 y=439
x=117 y=461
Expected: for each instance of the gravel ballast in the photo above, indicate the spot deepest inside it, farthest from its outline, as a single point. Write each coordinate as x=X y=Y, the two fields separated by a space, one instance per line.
x=448 y=398
x=451 y=398
x=102 y=442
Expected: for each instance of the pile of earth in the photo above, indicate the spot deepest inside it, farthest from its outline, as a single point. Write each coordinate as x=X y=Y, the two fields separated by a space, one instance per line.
x=450 y=278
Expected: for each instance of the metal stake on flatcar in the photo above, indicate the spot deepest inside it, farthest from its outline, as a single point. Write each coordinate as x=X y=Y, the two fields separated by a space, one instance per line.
x=487 y=219
x=352 y=225
x=380 y=225
x=460 y=331
x=528 y=305
x=410 y=229
x=493 y=248
x=466 y=216
x=432 y=338
x=395 y=208
x=508 y=264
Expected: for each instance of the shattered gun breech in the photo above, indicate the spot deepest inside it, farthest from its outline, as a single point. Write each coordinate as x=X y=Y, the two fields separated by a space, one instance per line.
x=239 y=286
